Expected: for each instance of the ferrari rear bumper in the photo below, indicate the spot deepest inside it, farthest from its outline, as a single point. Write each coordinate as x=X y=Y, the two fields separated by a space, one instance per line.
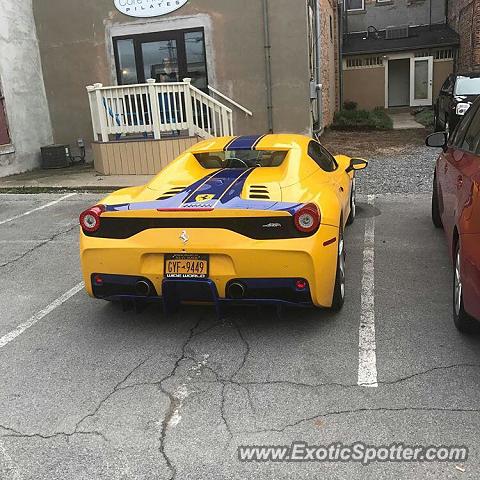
x=140 y=290
x=267 y=268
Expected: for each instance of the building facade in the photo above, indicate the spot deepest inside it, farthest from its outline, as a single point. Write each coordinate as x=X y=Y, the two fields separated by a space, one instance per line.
x=396 y=53
x=264 y=55
x=24 y=115
x=464 y=18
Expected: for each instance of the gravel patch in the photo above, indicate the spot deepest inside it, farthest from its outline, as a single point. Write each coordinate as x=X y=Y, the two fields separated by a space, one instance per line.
x=408 y=171
x=399 y=161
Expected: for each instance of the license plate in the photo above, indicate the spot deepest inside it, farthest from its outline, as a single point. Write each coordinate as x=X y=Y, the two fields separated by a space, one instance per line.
x=180 y=265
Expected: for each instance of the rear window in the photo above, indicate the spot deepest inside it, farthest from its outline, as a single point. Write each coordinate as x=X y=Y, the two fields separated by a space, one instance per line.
x=241 y=158
x=467 y=86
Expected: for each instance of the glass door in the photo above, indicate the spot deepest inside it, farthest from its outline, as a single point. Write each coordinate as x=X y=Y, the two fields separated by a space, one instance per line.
x=421 y=81
x=165 y=56
x=160 y=61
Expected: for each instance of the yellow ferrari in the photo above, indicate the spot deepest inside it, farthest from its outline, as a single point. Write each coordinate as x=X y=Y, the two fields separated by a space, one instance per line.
x=246 y=220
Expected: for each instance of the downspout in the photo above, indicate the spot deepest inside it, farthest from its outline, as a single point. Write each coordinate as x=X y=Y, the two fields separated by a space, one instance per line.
x=340 y=52
x=268 y=65
x=318 y=72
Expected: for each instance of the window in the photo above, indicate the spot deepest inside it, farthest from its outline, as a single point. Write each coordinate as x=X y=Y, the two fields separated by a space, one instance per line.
x=363 y=62
x=4 y=135
x=471 y=140
x=458 y=135
x=324 y=160
x=353 y=5
x=241 y=158
x=467 y=86
x=443 y=54
x=331 y=28
x=165 y=56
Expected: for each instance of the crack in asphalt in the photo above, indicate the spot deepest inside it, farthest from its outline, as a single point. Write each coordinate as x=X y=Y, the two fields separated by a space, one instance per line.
x=247 y=349
x=174 y=402
x=115 y=389
x=226 y=382
x=247 y=384
x=361 y=410
x=17 y=433
x=38 y=245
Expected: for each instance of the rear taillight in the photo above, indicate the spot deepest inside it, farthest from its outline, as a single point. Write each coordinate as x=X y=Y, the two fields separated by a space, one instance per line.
x=90 y=219
x=307 y=219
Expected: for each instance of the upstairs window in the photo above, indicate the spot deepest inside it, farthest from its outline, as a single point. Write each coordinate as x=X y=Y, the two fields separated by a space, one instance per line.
x=354 y=5
x=4 y=135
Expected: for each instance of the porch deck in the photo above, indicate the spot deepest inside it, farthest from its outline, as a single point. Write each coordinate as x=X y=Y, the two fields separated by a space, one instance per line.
x=139 y=156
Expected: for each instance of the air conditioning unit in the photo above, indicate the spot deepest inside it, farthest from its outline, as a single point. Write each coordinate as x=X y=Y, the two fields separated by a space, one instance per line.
x=393 y=33
x=56 y=156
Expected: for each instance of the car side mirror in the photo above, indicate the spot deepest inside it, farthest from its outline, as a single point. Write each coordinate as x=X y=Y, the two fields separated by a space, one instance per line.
x=356 y=164
x=437 y=140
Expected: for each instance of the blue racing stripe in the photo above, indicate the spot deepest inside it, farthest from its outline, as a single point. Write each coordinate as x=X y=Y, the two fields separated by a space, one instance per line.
x=247 y=142
x=214 y=189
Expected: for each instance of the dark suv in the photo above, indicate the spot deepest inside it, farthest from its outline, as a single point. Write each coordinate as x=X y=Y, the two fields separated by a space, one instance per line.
x=456 y=95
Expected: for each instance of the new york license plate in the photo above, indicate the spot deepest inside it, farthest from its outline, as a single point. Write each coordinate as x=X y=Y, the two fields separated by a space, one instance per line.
x=180 y=265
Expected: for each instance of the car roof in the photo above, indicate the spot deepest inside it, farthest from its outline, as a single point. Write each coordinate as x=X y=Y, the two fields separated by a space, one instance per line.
x=467 y=74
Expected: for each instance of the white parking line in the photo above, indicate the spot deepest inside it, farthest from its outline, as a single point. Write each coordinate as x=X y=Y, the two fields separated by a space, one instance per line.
x=367 y=356
x=54 y=202
x=6 y=339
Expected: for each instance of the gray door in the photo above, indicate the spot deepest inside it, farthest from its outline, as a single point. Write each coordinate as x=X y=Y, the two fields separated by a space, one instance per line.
x=399 y=82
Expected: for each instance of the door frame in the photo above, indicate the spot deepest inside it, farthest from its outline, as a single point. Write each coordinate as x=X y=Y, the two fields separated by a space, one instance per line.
x=429 y=99
x=140 y=38
x=394 y=56
x=411 y=56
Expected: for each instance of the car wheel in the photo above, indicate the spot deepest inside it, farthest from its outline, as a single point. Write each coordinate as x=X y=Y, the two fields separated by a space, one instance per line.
x=353 y=203
x=436 y=218
x=339 y=289
x=464 y=322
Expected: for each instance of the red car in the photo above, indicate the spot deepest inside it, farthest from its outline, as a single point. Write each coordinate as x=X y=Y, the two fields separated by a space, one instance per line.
x=456 y=208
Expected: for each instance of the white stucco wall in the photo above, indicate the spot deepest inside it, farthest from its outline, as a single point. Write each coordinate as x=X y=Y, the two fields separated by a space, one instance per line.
x=22 y=84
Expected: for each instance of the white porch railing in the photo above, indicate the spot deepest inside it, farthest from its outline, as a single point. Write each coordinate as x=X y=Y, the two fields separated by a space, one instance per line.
x=153 y=109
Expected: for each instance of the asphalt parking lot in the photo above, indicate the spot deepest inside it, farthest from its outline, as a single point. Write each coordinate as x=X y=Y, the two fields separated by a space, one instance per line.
x=88 y=391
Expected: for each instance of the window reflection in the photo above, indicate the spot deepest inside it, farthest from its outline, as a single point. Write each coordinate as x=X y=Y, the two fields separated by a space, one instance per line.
x=127 y=64
x=196 y=63
x=160 y=60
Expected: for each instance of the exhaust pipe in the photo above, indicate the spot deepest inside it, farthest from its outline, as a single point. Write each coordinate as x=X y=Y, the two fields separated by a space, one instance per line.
x=236 y=291
x=142 y=288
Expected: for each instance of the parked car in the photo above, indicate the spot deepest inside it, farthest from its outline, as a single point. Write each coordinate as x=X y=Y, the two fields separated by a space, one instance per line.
x=456 y=208
x=255 y=219
x=455 y=98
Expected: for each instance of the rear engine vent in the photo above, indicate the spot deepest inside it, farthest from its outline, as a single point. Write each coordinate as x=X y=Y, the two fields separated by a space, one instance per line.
x=393 y=33
x=259 y=192
x=171 y=193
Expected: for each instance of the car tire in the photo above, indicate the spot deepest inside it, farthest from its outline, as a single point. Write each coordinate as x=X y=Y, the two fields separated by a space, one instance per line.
x=436 y=218
x=339 y=289
x=462 y=320
x=353 y=203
